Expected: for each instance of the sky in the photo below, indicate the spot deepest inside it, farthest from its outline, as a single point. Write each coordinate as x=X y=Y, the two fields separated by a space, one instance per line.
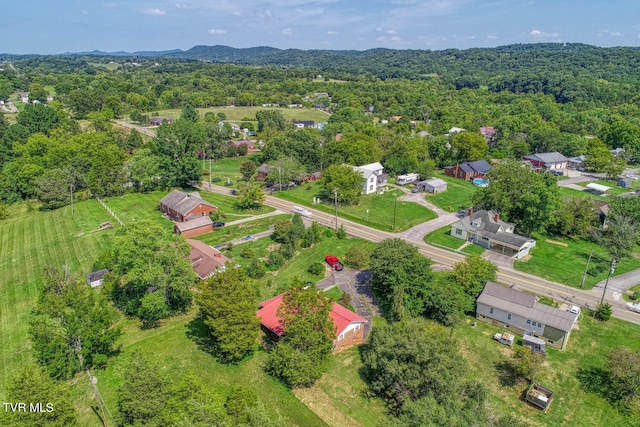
x=59 y=26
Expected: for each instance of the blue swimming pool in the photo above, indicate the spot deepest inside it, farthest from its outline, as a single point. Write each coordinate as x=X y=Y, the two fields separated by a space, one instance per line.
x=481 y=182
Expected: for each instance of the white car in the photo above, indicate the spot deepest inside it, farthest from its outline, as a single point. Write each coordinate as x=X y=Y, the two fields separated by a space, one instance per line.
x=633 y=177
x=300 y=210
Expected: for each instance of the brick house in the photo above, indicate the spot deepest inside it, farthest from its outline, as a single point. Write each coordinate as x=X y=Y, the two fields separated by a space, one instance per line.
x=547 y=161
x=348 y=325
x=521 y=313
x=205 y=260
x=468 y=170
x=180 y=206
x=194 y=227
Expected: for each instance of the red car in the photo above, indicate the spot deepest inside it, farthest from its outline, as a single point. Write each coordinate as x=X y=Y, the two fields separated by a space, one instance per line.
x=334 y=262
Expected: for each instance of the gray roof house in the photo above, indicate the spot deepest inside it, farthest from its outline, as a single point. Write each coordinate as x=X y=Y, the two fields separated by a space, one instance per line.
x=374 y=177
x=485 y=228
x=96 y=278
x=553 y=160
x=180 y=206
x=522 y=314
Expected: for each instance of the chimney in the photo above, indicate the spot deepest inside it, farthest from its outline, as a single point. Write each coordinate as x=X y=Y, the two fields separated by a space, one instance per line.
x=496 y=216
x=217 y=255
x=469 y=211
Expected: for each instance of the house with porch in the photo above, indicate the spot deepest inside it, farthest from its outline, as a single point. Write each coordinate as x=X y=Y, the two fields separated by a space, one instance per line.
x=349 y=327
x=521 y=313
x=205 y=260
x=485 y=228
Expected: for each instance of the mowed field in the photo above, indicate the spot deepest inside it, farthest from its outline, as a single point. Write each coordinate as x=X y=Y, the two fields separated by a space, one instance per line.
x=237 y=114
x=29 y=241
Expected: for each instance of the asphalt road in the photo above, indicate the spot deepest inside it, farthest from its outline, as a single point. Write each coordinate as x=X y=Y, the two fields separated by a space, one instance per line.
x=523 y=281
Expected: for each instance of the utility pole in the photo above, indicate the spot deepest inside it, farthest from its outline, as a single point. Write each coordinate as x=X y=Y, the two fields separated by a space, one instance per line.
x=209 y=174
x=279 y=178
x=611 y=270
x=584 y=276
x=395 y=203
x=335 y=204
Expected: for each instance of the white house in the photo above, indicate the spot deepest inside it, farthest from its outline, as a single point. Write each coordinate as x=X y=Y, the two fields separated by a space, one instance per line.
x=374 y=177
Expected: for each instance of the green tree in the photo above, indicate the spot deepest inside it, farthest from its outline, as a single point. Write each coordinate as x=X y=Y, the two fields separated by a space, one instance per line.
x=576 y=217
x=304 y=350
x=247 y=169
x=527 y=363
x=250 y=195
x=271 y=119
x=228 y=302
x=521 y=195
x=191 y=404
x=53 y=188
x=176 y=144
x=599 y=159
x=473 y=273
x=407 y=361
x=400 y=278
x=355 y=149
x=469 y=146
x=144 y=393
x=38 y=118
x=357 y=257
x=623 y=366
x=32 y=384
x=190 y=113
x=71 y=323
x=144 y=169
x=343 y=181
x=285 y=170
x=604 y=311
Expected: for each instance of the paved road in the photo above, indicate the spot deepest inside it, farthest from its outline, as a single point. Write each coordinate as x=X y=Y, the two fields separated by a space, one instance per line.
x=446 y=259
x=253 y=217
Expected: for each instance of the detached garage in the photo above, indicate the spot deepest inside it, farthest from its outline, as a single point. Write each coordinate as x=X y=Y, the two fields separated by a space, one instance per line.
x=193 y=228
x=435 y=186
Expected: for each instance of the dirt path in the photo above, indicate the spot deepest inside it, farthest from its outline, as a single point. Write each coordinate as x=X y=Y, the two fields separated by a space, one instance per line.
x=320 y=403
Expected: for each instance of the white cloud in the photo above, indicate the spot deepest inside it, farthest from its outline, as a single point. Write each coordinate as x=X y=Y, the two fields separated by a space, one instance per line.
x=154 y=12
x=217 y=31
x=394 y=39
x=332 y=33
x=492 y=37
x=378 y=29
x=542 y=34
x=392 y=32
x=287 y=32
x=616 y=34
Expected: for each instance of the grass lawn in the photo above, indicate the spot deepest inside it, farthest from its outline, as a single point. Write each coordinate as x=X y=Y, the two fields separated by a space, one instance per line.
x=29 y=241
x=233 y=232
x=628 y=295
x=566 y=264
x=458 y=194
x=565 y=192
x=615 y=190
x=571 y=405
x=179 y=346
x=236 y=114
x=443 y=237
x=374 y=210
x=229 y=167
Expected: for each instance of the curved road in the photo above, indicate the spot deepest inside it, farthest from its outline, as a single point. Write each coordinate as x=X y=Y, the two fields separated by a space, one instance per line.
x=524 y=281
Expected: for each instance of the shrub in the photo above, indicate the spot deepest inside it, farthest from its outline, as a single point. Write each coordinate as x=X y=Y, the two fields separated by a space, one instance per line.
x=287 y=250
x=604 y=311
x=357 y=257
x=275 y=261
x=635 y=296
x=256 y=269
x=341 y=233
x=247 y=252
x=316 y=268
x=216 y=179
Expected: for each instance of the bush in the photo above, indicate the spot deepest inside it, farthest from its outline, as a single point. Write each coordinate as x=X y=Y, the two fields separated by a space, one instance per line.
x=247 y=252
x=316 y=268
x=345 y=300
x=635 y=296
x=357 y=257
x=287 y=250
x=341 y=233
x=596 y=269
x=256 y=269
x=604 y=311
x=216 y=179
x=275 y=261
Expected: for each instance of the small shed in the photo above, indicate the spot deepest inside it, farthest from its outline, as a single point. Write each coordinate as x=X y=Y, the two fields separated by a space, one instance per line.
x=435 y=185
x=535 y=344
x=539 y=396
x=194 y=227
x=96 y=278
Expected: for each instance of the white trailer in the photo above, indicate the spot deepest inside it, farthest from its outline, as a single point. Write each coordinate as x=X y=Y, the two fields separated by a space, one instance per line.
x=407 y=179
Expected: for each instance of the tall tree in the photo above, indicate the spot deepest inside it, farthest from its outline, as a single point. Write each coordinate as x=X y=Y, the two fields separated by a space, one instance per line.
x=228 y=303
x=190 y=113
x=342 y=182
x=176 y=144
x=32 y=386
x=624 y=371
x=247 y=169
x=400 y=277
x=469 y=146
x=73 y=325
x=520 y=195
x=271 y=119
x=303 y=352
x=250 y=195
x=473 y=273
x=38 y=118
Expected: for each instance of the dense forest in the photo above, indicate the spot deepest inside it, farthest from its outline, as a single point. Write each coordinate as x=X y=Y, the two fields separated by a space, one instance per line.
x=545 y=97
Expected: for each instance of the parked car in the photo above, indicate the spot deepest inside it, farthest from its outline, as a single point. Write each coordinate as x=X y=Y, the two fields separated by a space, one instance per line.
x=557 y=173
x=633 y=177
x=334 y=262
x=217 y=224
x=300 y=210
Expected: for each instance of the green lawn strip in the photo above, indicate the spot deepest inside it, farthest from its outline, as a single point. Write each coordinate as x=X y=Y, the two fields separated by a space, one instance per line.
x=230 y=233
x=29 y=241
x=229 y=167
x=567 y=264
x=334 y=293
x=458 y=195
x=571 y=405
x=443 y=237
x=565 y=192
x=174 y=347
x=237 y=114
x=615 y=190
x=628 y=295
x=380 y=208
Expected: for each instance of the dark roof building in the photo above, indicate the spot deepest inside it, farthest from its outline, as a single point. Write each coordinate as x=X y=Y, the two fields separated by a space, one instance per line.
x=468 y=170
x=520 y=312
x=205 y=260
x=553 y=160
x=180 y=206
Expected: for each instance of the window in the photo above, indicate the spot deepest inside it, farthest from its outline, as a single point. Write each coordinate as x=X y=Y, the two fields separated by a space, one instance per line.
x=509 y=316
x=371 y=179
x=491 y=310
x=539 y=325
x=340 y=337
x=202 y=213
x=459 y=231
x=357 y=327
x=528 y=322
x=371 y=187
